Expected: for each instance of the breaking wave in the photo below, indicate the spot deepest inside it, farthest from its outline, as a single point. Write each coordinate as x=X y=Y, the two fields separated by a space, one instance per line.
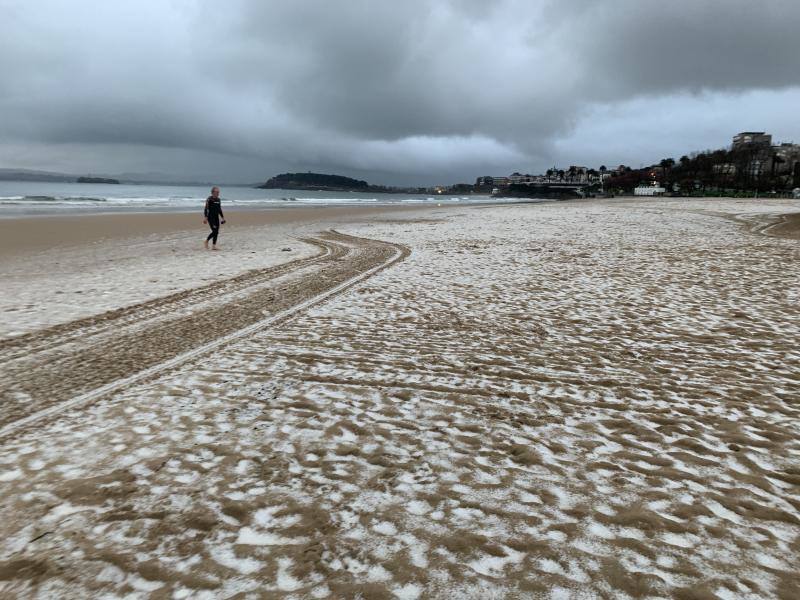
x=51 y=199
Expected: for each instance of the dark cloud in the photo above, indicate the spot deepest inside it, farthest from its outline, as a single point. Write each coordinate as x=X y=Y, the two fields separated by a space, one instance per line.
x=656 y=47
x=413 y=91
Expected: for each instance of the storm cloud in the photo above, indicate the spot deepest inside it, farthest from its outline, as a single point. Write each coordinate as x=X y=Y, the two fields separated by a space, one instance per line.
x=401 y=92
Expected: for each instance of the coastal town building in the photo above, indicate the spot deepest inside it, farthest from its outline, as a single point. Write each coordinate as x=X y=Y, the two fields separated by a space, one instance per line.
x=649 y=190
x=786 y=159
x=489 y=181
x=578 y=174
x=780 y=162
x=520 y=179
x=752 y=138
x=787 y=151
x=753 y=162
x=574 y=175
x=724 y=169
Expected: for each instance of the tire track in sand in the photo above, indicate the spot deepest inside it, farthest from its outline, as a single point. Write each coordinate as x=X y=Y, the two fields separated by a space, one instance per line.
x=63 y=333
x=41 y=382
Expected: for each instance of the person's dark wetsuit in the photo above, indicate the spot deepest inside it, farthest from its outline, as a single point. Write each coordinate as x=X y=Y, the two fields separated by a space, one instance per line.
x=213 y=213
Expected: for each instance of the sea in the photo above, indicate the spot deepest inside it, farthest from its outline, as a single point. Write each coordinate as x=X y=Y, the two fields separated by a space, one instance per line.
x=27 y=198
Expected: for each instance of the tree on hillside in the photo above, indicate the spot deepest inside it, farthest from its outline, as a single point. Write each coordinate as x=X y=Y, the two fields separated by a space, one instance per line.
x=667 y=164
x=776 y=160
x=626 y=180
x=301 y=180
x=742 y=170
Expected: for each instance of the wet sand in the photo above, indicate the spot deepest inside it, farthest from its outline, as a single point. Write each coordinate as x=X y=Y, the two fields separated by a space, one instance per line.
x=39 y=233
x=789 y=227
x=57 y=269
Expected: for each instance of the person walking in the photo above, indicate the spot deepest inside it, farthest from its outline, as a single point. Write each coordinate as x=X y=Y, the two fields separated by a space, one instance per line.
x=212 y=215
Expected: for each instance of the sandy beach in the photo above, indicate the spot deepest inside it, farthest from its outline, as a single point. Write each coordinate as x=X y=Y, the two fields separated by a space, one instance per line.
x=593 y=399
x=59 y=268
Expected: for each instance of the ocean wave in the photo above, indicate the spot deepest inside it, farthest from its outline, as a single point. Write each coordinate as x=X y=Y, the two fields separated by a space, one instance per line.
x=50 y=199
x=157 y=200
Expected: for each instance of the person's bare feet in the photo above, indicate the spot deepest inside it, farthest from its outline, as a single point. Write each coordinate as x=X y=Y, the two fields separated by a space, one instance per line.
x=214 y=247
x=206 y=244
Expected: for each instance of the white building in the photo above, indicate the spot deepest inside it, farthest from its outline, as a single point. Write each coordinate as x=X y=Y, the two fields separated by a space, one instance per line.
x=649 y=190
x=493 y=181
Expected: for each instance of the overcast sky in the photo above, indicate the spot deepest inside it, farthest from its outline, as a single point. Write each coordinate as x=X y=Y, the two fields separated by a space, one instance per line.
x=397 y=92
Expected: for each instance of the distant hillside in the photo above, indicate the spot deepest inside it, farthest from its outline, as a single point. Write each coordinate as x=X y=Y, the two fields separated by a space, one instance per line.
x=315 y=181
x=30 y=175
x=128 y=178
x=97 y=180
